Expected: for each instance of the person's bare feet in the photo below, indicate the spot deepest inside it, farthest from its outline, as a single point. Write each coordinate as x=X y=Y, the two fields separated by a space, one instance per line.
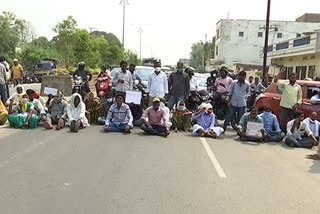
x=47 y=125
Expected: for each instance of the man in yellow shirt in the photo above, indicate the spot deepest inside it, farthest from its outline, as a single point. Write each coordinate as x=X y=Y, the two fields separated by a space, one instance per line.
x=291 y=99
x=17 y=73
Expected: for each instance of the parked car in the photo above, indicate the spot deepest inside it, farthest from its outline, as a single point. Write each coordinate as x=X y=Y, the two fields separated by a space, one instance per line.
x=272 y=96
x=201 y=80
x=45 y=67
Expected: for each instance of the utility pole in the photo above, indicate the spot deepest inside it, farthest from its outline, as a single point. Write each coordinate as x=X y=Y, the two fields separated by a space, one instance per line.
x=140 y=32
x=124 y=3
x=265 y=49
x=91 y=29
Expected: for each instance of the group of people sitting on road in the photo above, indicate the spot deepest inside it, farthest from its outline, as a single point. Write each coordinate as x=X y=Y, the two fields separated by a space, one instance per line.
x=27 y=109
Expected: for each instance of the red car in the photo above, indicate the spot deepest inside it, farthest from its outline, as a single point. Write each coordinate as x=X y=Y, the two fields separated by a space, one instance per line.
x=272 y=96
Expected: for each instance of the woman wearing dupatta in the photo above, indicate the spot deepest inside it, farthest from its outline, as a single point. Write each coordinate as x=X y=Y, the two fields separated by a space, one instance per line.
x=22 y=115
x=181 y=117
x=76 y=112
x=94 y=107
x=3 y=114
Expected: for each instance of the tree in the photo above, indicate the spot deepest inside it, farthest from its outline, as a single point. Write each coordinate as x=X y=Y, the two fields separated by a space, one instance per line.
x=65 y=39
x=12 y=33
x=197 y=56
x=132 y=58
x=110 y=37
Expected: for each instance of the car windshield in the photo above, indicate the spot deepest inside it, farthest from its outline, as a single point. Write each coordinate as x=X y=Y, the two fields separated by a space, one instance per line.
x=44 y=66
x=144 y=73
x=201 y=80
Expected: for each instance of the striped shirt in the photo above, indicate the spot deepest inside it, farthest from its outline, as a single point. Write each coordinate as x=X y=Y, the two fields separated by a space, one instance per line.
x=120 y=115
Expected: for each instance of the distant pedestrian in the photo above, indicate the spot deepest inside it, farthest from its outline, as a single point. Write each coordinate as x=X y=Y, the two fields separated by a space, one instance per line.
x=222 y=85
x=291 y=99
x=239 y=90
x=123 y=79
x=135 y=76
x=179 y=86
x=17 y=72
x=3 y=81
x=157 y=84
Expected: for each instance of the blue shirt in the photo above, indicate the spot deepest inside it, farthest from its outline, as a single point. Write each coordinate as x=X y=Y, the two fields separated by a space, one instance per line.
x=206 y=121
x=135 y=77
x=239 y=93
x=270 y=122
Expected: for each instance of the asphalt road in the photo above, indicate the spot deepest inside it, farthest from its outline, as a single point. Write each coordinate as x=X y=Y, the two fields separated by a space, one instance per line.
x=93 y=172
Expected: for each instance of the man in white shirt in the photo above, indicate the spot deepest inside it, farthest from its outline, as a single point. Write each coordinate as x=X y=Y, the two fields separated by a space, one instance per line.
x=157 y=84
x=315 y=99
x=123 y=79
x=313 y=124
x=299 y=134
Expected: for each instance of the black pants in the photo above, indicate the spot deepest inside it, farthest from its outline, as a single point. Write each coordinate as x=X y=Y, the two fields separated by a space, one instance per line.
x=286 y=114
x=3 y=93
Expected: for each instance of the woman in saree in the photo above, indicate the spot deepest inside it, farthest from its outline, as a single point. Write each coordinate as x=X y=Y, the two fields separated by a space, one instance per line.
x=181 y=117
x=76 y=111
x=94 y=107
x=3 y=114
x=22 y=115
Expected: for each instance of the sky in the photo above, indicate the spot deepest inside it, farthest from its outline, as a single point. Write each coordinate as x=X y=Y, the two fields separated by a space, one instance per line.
x=170 y=27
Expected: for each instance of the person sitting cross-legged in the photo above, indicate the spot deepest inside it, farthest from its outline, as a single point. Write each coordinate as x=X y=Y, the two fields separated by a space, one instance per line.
x=298 y=133
x=154 y=120
x=119 y=117
x=57 y=111
x=243 y=125
x=206 y=121
x=313 y=124
x=271 y=126
x=181 y=117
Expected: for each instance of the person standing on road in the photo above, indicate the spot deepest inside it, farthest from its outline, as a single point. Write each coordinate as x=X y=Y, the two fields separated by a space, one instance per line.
x=119 y=117
x=222 y=85
x=299 y=134
x=206 y=121
x=239 y=90
x=291 y=98
x=271 y=126
x=84 y=74
x=242 y=127
x=7 y=67
x=76 y=112
x=313 y=124
x=154 y=120
x=157 y=83
x=179 y=86
x=135 y=76
x=17 y=72
x=123 y=79
x=3 y=82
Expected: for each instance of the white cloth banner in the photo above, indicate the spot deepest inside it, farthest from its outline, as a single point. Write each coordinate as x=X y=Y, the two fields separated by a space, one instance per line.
x=254 y=129
x=133 y=97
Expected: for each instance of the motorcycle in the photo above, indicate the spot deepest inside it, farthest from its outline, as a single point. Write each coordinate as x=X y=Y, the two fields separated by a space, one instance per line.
x=29 y=77
x=144 y=95
x=252 y=97
x=196 y=99
x=79 y=86
x=103 y=85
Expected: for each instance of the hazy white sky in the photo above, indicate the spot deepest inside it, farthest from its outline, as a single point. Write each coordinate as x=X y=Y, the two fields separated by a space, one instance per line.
x=169 y=26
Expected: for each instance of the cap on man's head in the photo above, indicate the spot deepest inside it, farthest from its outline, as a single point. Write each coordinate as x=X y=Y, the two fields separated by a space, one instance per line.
x=15 y=60
x=156 y=99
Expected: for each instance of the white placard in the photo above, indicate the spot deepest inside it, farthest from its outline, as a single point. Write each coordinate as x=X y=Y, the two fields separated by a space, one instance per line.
x=254 y=129
x=133 y=97
x=52 y=91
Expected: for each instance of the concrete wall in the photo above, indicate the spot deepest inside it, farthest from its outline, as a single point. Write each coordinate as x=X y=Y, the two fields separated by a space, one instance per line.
x=63 y=83
x=247 y=49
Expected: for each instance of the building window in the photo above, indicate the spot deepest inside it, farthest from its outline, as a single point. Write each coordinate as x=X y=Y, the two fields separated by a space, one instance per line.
x=260 y=34
x=282 y=46
x=301 y=72
x=217 y=51
x=298 y=35
x=302 y=41
x=279 y=35
x=312 y=71
x=305 y=58
x=241 y=34
x=291 y=59
x=313 y=57
x=218 y=34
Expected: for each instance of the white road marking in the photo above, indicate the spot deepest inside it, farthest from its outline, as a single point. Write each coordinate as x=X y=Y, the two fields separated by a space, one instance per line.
x=213 y=158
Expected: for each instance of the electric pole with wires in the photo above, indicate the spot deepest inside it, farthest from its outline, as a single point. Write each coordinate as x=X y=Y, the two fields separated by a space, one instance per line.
x=124 y=3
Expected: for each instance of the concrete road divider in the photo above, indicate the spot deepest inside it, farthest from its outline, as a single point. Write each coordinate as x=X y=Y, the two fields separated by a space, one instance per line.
x=63 y=83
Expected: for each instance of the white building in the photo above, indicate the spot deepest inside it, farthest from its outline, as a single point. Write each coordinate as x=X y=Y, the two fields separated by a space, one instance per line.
x=300 y=55
x=241 y=41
